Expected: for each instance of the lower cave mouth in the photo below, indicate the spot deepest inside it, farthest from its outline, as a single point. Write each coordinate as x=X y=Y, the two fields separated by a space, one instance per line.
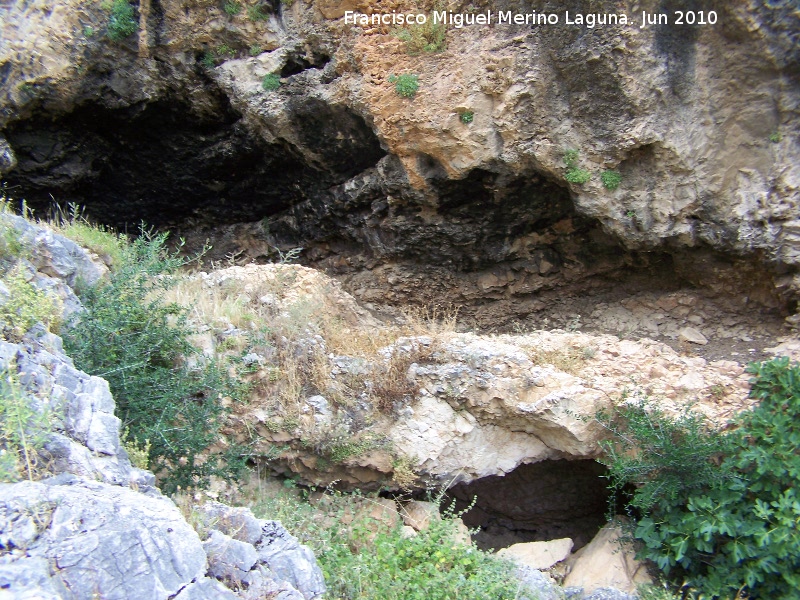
x=535 y=502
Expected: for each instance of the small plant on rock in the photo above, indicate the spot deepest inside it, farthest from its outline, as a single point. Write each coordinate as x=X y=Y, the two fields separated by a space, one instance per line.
x=255 y=50
x=271 y=82
x=232 y=8
x=775 y=137
x=428 y=37
x=256 y=13
x=611 y=179
x=122 y=22
x=406 y=85
x=467 y=116
x=574 y=173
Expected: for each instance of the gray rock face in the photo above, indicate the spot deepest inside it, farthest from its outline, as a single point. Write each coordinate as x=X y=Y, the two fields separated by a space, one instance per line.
x=259 y=556
x=99 y=538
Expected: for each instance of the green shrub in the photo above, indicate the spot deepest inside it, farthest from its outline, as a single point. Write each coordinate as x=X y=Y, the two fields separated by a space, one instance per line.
x=138 y=342
x=364 y=560
x=406 y=85
x=232 y=8
x=578 y=176
x=122 y=22
x=775 y=137
x=26 y=306
x=271 y=82
x=255 y=50
x=467 y=116
x=428 y=37
x=611 y=179
x=24 y=429
x=719 y=511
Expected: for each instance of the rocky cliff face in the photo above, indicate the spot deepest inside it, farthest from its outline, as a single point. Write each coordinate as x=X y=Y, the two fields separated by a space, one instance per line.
x=398 y=195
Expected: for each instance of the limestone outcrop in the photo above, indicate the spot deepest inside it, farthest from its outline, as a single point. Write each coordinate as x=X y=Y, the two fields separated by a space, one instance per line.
x=700 y=121
x=94 y=524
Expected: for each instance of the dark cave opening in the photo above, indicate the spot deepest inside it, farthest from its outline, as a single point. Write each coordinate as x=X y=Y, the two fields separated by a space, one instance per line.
x=163 y=165
x=535 y=502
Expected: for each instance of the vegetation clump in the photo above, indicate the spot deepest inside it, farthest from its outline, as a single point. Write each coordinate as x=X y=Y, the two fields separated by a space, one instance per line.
x=574 y=173
x=368 y=559
x=611 y=179
x=271 y=82
x=428 y=37
x=232 y=8
x=138 y=342
x=717 y=511
x=406 y=85
x=122 y=22
x=467 y=116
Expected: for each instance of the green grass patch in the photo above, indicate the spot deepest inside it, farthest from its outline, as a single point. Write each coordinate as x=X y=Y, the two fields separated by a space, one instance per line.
x=364 y=559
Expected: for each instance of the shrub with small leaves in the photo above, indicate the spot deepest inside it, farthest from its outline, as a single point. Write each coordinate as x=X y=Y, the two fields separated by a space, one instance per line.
x=429 y=37
x=719 y=512
x=406 y=85
x=255 y=50
x=271 y=82
x=26 y=305
x=122 y=22
x=467 y=116
x=775 y=137
x=611 y=179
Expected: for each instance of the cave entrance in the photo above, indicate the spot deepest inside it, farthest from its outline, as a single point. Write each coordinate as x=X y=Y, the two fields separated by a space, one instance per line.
x=535 y=502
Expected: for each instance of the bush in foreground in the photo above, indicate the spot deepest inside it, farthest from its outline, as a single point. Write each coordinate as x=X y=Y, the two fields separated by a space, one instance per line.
x=133 y=338
x=718 y=512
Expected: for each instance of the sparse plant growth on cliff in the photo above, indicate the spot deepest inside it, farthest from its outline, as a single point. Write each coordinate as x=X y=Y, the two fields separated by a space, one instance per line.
x=718 y=511
x=256 y=13
x=26 y=305
x=368 y=559
x=232 y=7
x=255 y=50
x=467 y=116
x=574 y=173
x=24 y=428
x=122 y=22
x=137 y=341
x=406 y=85
x=611 y=179
x=107 y=244
x=429 y=37
x=88 y=31
x=775 y=137
x=271 y=82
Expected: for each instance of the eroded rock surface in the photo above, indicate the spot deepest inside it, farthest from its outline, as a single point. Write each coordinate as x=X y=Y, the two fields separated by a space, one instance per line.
x=398 y=195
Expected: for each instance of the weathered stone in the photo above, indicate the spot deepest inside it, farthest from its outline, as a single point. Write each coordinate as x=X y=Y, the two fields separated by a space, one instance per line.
x=419 y=514
x=692 y=335
x=229 y=560
x=606 y=563
x=538 y=555
x=103 y=539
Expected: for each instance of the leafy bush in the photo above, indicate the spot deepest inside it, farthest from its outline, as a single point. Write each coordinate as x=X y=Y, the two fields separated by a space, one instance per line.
x=719 y=511
x=271 y=82
x=611 y=179
x=255 y=50
x=368 y=560
x=428 y=37
x=406 y=85
x=23 y=430
x=467 y=116
x=138 y=342
x=122 y=22
x=574 y=173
